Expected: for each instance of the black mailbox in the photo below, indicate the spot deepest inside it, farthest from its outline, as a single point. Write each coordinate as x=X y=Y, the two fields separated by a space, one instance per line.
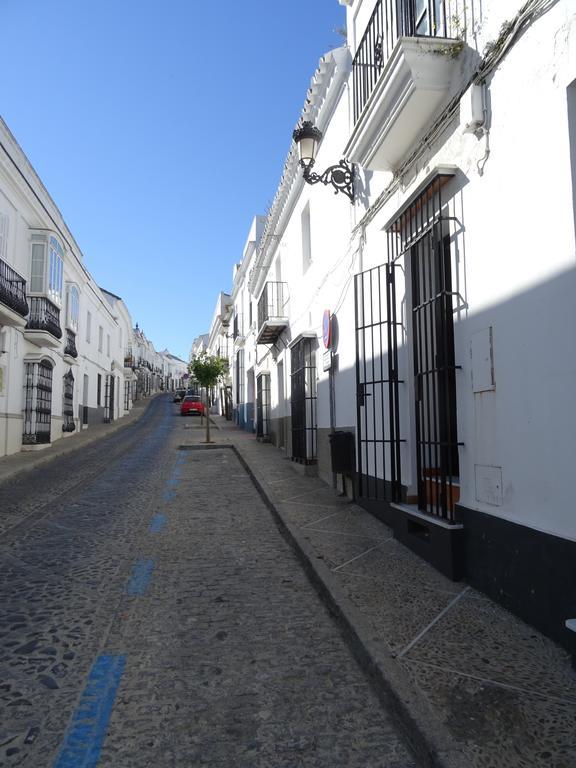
x=342 y=452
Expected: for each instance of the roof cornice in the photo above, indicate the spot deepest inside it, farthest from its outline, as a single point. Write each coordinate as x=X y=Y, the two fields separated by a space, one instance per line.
x=322 y=96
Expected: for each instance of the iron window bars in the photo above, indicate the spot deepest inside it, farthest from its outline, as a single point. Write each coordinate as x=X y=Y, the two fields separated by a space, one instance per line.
x=418 y=243
x=68 y=424
x=303 y=400
x=420 y=235
x=263 y=406
x=377 y=385
x=240 y=377
x=37 y=403
x=109 y=399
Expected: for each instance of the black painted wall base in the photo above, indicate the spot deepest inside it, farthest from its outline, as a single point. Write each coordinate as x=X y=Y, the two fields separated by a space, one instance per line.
x=439 y=544
x=531 y=573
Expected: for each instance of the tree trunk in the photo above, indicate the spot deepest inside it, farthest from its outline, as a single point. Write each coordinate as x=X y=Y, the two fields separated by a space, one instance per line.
x=207 y=414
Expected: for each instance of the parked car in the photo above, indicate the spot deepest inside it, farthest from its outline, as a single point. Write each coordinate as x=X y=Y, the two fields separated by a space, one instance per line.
x=179 y=395
x=192 y=404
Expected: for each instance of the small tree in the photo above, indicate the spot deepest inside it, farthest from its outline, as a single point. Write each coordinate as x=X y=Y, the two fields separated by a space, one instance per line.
x=208 y=371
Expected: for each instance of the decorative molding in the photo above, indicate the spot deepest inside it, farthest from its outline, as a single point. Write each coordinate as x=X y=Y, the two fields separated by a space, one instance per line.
x=321 y=98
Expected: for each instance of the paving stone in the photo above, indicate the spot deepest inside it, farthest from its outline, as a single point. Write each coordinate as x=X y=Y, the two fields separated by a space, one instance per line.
x=231 y=658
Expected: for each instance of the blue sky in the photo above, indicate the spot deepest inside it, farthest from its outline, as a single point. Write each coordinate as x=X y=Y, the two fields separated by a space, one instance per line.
x=160 y=129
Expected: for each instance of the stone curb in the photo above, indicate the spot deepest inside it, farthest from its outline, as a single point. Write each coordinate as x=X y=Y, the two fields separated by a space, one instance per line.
x=427 y=737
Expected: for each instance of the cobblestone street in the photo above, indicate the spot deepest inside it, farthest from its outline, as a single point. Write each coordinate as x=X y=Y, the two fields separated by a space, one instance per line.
x=152 y=614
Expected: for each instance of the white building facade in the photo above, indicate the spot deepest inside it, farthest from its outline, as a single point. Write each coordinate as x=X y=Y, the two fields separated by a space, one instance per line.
x=219 y=344
x=61 y=358
x=243 y=353
x=428 y=324
x=66 y=345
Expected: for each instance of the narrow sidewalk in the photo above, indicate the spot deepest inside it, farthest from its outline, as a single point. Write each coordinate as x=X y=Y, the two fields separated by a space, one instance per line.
x=17 y=463
x=471 y=685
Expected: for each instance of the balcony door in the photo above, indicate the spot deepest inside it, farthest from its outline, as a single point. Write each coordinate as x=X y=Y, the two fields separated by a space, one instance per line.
x=303 y=400
x=434 y=375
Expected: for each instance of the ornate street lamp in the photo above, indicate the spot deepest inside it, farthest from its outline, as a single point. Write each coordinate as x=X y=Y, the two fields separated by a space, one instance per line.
x=340 y=176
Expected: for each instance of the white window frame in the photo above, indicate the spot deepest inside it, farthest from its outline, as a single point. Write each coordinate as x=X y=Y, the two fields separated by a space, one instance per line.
x=73 y=307
x=47 y=254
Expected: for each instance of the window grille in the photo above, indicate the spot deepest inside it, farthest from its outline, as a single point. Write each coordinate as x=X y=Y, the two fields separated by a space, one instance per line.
x=68 y=424
x=109 y=399
x=127 y=388
x=240 y=377
x=37 y=403
x=303 y=400
x=263 y=406
x=421 y=235
x=377 y=385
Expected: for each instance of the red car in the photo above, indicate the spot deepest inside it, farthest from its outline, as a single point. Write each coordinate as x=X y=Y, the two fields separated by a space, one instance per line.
x=191 y=404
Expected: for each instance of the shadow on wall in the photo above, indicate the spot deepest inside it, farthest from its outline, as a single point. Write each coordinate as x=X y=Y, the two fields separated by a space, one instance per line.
x=520 y=548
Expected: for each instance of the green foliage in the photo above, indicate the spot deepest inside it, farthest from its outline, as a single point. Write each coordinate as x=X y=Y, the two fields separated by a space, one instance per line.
x=207 y=370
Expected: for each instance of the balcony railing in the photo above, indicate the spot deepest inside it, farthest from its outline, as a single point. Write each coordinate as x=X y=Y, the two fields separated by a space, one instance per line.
x=391 y=20
x=271 y=302
x=272 y=314
x=44 y=316
x=70 y=348
x=13 y=289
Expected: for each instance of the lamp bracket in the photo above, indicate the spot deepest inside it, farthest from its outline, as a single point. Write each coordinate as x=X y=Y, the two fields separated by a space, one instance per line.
x=340 y=176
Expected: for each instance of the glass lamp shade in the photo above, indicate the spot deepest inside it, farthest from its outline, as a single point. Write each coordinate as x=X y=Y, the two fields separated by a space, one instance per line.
x=307 y=137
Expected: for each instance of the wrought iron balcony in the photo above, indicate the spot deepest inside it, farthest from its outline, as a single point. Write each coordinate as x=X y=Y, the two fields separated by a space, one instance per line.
x=402 y=72
x=44 y=316
x=391 y=20
x=13 y=289
x=70 y=348
x=272 y=314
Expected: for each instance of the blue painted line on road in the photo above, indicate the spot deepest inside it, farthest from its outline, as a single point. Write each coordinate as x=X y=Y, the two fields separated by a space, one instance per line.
x=173 y=481
x=141 y=575
x=169 y=495
x=158 y=522
x=86 y=733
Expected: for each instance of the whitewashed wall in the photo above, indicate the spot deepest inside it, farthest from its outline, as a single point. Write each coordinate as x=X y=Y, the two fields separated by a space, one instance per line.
x=514 y=256
x=27 y=206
